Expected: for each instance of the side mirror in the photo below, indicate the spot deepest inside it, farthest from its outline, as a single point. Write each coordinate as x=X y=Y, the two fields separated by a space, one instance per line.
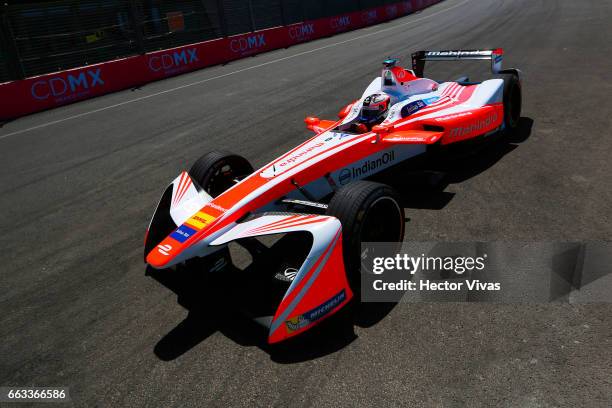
x=317 y=125
x=311 y=122
x=378 y=129
x=345 y=111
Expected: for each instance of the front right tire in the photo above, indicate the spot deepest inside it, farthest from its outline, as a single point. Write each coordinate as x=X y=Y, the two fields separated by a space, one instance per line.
x=368 y=212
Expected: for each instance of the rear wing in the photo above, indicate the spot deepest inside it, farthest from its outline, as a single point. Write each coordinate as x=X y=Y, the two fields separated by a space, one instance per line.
x=420 y=57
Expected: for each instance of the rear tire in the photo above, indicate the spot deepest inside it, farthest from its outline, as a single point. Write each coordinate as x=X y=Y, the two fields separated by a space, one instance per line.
x=217 y=171
x=368 y=212
x=512 y=102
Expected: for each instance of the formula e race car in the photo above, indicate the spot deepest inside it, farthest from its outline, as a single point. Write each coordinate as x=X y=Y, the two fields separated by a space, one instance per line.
x=319 y=193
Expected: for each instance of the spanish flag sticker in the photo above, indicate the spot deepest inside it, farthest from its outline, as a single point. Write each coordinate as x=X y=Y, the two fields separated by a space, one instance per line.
x=200 y=220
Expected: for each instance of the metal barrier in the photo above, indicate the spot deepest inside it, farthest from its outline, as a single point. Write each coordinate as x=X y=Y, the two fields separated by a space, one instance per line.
x=4 y=68
x=59 y=35
x=167 y=24
x=50 y=36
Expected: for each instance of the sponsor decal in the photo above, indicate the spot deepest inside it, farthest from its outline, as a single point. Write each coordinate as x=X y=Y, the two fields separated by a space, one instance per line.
x=345 y=176
x=305 y=319
x=182 y=233
x=251 y=43
x=413 y=107
x=458 y=54
x=431 y=100
x=304 y=152
x=340 y=23
x=288 y=275
x=67 y=87
x=474 y=127
x=302 y=32
x=367 y=167
x=296 y=323
x=451 y=117
x=216 y=207
x=200 y=220
x=173 y=61
x=164 y=249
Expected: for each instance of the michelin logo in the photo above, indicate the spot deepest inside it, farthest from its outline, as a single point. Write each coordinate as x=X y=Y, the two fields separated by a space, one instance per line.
x=304 y=320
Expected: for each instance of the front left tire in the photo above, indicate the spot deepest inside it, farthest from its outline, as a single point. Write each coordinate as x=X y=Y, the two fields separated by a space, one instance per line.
x=217 y=171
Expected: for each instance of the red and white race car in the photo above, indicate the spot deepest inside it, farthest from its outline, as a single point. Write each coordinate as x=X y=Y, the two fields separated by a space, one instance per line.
x=317 y=193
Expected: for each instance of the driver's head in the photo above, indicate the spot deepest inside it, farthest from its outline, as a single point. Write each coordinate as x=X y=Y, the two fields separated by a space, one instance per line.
x=375 y=108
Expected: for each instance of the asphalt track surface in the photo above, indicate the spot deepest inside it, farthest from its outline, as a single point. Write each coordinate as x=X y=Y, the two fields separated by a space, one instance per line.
x=79 y=184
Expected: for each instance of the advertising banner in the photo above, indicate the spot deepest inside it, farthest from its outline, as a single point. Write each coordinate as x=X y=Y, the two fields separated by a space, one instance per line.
x=18 y=98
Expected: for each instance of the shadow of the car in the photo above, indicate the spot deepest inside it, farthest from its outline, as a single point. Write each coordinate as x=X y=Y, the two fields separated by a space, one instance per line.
x=187 y=334
x=329 y=336
x=216 y=302
x=421 y=182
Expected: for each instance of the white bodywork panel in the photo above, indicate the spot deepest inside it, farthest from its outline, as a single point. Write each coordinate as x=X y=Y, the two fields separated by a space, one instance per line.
x=186 y=199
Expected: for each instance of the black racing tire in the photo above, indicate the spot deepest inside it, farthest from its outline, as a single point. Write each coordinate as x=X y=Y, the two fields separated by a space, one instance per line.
x=368 y=212
x=217 y=171
x=513 y=102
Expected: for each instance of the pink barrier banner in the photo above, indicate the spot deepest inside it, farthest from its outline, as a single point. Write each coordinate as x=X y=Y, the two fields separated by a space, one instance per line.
x=47 y=91
x=42 y=92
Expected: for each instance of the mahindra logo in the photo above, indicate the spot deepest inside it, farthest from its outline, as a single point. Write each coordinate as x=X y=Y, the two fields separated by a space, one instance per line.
x=298 y=155
x=248 y=43
x=67 y=86
x=457 y=53
x=479 y=126
x=173 y=60
x=340 y=22
x=369 y=16
x=288 y=275
x=301 y=32
x=216 y=207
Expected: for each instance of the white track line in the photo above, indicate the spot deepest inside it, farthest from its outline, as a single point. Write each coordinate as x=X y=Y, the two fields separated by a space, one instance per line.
x=80 y=115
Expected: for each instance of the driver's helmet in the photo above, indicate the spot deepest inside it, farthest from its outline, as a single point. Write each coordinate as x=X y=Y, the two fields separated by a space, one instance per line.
x=375 y=108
